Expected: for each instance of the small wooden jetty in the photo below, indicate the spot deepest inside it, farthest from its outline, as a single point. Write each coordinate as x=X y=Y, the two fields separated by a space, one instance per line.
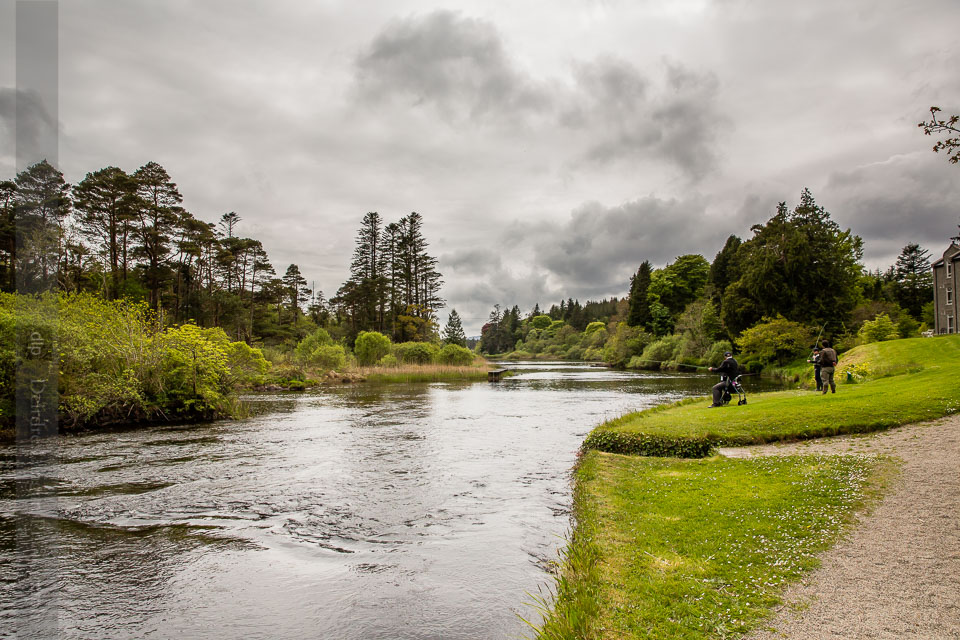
x=495 y=375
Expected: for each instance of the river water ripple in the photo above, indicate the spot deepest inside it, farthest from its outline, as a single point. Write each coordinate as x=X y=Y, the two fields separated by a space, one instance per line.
x=421 y=511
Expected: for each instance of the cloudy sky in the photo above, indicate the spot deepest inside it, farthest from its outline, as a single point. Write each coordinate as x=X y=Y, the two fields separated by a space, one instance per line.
x=551 y=146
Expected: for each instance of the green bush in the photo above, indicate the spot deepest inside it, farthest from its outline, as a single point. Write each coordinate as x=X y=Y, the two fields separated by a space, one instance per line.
x=388 y=360
x=714 y=355
x=659 y=353
x=370 y=346
x=303 y=353
x=775 y=340
x=647 y=445
x=594 y=326
x=879 y=329
x=329 y=357
x=453 y=354
x=415 y=352
x=574 y=353
x=541 y=322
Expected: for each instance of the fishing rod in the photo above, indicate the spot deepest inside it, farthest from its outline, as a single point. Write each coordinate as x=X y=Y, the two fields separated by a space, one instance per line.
x=816 y=345
x=692 y=366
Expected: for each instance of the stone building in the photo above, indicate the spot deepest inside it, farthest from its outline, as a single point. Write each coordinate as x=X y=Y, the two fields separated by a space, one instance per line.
x=945 y=290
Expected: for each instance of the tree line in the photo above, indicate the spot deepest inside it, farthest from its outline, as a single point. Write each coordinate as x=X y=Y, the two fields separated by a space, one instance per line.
x=127 y=236
x=799 y=269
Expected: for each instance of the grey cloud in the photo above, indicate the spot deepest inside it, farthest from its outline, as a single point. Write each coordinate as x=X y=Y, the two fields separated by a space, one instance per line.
x=907 y=198
x=471 y=260
x=455 y=63
x=677 y=121
x=606 y=112
x=599 y=247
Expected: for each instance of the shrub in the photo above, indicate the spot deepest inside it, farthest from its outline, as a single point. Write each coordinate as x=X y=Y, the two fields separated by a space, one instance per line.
x=907 y=327
x=370 y=346
x=714 y=355
x=329 y=357
x=453 y=354
x=541 y=322
x=593 y=354
x=594 y=326
x=647 y=445
x=775 y=340
x=877 y=330
x=415 y=352
x=663 y=351
x=305 y=348
x=574 y=353
x=388 y=360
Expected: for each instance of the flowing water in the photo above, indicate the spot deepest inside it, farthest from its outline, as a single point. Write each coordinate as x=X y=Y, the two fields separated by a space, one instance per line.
x=415 y=511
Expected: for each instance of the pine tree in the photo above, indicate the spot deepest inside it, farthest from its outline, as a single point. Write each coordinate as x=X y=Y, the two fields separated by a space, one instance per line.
x=453 y=332
x=914 y=282
x=158 y=214
x=639 y=314
x=104 y=203
x=42 y=206
x=296 y=289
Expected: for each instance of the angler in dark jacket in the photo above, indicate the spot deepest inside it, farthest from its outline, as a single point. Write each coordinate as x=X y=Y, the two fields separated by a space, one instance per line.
x=729 y=369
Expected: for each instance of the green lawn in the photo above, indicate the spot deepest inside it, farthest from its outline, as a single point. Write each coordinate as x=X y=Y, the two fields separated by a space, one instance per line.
x=905 y=381
x=669 y=548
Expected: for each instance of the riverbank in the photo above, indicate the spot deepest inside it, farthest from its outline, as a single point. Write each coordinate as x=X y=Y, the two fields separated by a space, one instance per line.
x=894 y=383
x=704 y=548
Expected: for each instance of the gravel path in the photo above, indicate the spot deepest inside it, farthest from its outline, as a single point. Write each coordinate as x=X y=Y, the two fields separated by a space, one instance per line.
x=897 y=573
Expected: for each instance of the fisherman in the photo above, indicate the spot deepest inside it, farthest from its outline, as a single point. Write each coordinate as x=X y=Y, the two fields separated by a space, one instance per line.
x=828 y=363
x=815 y=360
x=728 y=370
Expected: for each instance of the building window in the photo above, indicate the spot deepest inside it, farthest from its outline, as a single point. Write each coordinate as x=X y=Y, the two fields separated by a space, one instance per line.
x=949 y=296
x=950 y=328
x=949 y=269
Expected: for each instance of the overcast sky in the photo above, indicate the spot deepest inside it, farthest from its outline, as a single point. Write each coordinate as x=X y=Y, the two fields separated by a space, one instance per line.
x=550 y=146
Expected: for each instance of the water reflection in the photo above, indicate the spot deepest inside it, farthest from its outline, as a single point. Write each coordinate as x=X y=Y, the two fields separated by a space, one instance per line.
x=361 y=511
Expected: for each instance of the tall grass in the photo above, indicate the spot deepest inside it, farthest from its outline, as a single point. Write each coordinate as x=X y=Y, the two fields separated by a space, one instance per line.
x=423 y=373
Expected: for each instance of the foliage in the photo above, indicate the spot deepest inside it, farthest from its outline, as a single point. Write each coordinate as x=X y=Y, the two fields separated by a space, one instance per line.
x=914 y=279
x=700 y=325
x=453 y=354
x=303 y=352
x=541 y=322
x=661 y=353
x=453 y=332
x=775 y=340
x=416 y=352
x=950 y=126
x=679 y=283
x=798 y=264
x=388 y=361
x=639 y=315
x=624 y=343
x=647 y=445
x=714 y=355
x=594 y=327
x=370 y=346
x=879 y=329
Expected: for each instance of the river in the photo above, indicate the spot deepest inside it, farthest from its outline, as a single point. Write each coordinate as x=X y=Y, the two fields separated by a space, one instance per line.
x=414 y=511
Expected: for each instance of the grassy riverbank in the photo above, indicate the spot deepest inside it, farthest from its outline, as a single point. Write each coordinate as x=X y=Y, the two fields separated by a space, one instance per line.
x=894 y=383
x=669 y=548
x=666 y=547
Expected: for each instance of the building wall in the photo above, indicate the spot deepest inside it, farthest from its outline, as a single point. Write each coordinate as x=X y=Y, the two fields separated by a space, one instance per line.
x=941 y=285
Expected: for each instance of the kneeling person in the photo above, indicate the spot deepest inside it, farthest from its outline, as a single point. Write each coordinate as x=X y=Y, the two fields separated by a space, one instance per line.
x=728 y=368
